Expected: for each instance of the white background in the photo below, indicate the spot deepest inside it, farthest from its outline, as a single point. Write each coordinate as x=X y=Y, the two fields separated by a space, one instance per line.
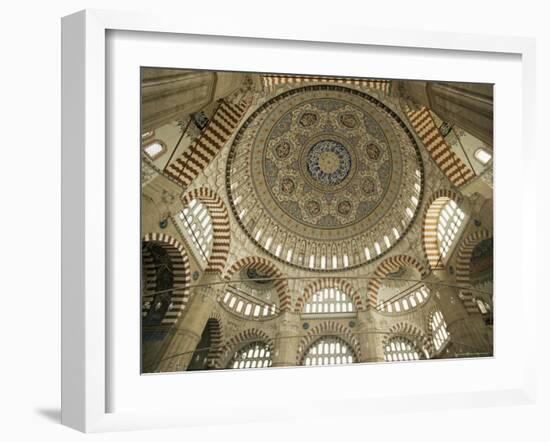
x=30 y=181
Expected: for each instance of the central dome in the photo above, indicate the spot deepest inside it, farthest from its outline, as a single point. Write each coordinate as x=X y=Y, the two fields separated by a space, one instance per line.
x=321 y=177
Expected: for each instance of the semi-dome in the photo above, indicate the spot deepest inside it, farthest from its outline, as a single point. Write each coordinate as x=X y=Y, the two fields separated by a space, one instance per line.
x=324 y=177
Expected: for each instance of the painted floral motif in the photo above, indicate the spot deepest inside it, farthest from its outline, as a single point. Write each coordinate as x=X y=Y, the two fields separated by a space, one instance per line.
x=373 y=152
x=313 y=207
x=282 y=150
x=344 y=208
x=348 y=120
x=308 y=119
x=287 y=186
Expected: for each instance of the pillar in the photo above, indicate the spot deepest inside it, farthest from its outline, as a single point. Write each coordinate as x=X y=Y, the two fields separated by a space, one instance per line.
x=171 y=94
x=187 y=332
x=466 y=105
x=469 y=334
x=370 y=338
x=287 y=340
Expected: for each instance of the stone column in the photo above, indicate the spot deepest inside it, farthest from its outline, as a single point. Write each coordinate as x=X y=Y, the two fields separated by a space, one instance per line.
x=170 y=94
x=287 y=339
x=187 y=332
x=466 y=105
x=469 y=334
x=370 y=338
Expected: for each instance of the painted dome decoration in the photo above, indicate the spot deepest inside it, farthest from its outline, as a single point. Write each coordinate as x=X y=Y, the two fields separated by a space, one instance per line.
x=324 y=177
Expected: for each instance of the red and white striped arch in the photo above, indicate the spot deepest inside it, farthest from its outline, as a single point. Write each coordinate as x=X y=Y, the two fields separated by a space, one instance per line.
x=328 y=328
x=239 y=340
x=268 y=268
x=410 y=332
x=220 y=226
x=182 y=274
x=320 y=284
x=464 y=256
x=429 y=225
x=389 y=265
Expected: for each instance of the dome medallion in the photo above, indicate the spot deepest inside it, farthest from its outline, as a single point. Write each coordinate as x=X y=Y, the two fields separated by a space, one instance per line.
x=324 y=177
x=328 y=162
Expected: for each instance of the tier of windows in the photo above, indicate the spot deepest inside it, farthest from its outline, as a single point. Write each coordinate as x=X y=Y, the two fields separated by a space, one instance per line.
x=407 y=302
x=198 y=225
x=401 y=349
x=253 y=355
x=329 y=300
x=329 y=350
x=325 y=261
x=439 y=330
x=450 y=220
x=238 y=303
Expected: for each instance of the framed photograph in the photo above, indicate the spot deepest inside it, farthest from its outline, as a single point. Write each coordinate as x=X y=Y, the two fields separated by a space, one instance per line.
x=251 y=215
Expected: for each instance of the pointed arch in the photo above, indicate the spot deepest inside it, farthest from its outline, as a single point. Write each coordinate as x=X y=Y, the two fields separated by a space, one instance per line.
x=463 y=259
x=328 y=328
x=220 y=226
x=320 y=284
x=389 y=265
x=412 y=333
x=239 y=340
x=269 y=268
x=181 y=275
x=430 y=221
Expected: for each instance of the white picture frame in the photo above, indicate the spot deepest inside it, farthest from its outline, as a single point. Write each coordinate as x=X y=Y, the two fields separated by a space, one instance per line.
x=87 y=232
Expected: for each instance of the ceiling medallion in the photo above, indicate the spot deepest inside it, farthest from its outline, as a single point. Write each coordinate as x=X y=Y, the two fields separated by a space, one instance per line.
x=317 y=175
x=328 y=162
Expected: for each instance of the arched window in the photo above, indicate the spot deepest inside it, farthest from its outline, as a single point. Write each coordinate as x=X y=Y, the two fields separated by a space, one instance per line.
x=450 y=220
x=253 y=355
x=439 y=331
x=154 y=149
x=240 y=302
x=408 y=301
x=329 y=350
x=198 y=225
x=329 y=300
x=482 y=155
x=401 y=349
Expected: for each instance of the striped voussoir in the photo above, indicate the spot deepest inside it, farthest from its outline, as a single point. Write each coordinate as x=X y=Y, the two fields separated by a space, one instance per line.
x=220 y=226
x=328 y=328
x=320 y=284
x=449 y=163
x=463 y=259
x=265 y=267
x=429 y=225
x=411 y=332
x=211 y=140
x=271 y=81
x=215 y=326
x=149 y=274
x=389 y=265
x=181 y=273
x=240 y=340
